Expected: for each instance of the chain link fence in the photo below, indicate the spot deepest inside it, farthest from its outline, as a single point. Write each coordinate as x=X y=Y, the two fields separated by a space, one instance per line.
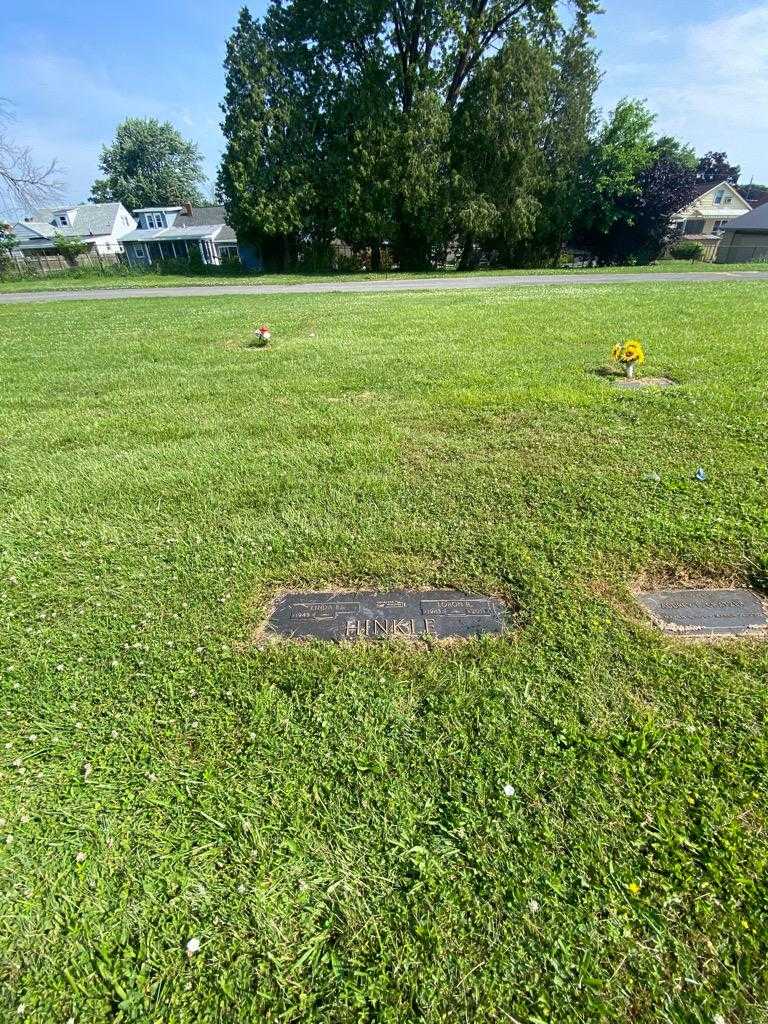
x=25 y=265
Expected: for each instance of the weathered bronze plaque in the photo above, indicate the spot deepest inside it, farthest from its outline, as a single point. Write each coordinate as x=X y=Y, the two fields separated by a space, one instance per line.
x=386 y=615
x=706 y=612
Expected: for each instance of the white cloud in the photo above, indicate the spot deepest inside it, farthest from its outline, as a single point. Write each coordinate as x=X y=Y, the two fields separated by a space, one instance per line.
x=712 y=90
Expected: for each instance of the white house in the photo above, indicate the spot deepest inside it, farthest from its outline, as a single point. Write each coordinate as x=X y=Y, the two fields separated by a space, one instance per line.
x=101 y=225
x=178 y=232
x=711 y=212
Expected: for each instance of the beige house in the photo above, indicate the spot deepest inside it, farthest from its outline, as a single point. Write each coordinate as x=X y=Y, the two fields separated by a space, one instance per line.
x=746 y=239
x=710 y=214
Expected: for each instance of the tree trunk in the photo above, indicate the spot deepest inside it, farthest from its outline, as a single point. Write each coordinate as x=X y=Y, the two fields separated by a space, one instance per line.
x=467 y=260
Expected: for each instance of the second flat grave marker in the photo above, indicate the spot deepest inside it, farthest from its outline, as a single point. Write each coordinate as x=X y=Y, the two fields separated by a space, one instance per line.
x=706 y=612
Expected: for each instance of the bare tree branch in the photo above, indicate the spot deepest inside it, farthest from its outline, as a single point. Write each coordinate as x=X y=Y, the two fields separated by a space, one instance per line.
x=23 y=183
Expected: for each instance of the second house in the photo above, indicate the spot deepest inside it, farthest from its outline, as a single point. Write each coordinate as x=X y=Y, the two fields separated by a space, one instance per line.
x=181 y=232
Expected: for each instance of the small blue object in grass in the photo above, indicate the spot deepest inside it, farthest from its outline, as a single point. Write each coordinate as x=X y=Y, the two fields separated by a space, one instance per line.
x=701 y=475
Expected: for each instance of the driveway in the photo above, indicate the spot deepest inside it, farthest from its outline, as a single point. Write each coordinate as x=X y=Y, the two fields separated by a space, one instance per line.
x=386 y=285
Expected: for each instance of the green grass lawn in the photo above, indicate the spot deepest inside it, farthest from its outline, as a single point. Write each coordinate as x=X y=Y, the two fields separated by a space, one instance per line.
x=330 y=822
x=82 y=279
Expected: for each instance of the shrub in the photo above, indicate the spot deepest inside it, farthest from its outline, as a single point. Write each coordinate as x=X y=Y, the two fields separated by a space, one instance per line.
x=687 y=251
x=69 y=247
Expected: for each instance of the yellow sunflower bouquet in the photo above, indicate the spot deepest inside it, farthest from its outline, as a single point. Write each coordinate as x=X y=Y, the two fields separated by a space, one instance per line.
x=630 y=354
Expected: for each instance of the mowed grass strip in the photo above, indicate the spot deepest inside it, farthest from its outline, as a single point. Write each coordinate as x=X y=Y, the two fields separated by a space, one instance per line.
x=121 y=276
x=331 y=822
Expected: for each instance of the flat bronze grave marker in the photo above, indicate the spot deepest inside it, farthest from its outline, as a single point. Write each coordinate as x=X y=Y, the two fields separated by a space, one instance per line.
x=386 y=615
x=706 y=612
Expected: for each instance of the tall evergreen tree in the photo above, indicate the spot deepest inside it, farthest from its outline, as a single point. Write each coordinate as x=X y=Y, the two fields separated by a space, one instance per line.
x=343 y=114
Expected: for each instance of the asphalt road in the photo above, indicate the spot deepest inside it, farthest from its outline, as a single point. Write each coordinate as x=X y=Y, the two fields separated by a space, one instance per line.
x=387 y=285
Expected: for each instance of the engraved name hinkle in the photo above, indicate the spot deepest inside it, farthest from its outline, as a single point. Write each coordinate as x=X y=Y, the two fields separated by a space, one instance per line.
x=380 y=615
x=371 y=628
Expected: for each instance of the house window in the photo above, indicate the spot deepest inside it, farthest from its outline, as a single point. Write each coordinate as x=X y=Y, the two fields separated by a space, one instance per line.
x=138 y=252
x=229 y=252
x=155 y=220
x=720 y=226
x=63 y=221
x=719 y=196
x=694 y=227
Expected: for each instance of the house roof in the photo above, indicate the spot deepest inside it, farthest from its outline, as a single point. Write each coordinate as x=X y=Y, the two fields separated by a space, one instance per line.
x=211 y=231
x=157 y=209
x=757 y=220
x=201 y=215
x=39 y=227
x=702 y=187
x=86 y=219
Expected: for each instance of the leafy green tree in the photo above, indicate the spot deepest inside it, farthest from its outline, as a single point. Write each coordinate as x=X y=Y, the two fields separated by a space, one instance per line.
x=634 y=184
x=521 y=133
x=623 y=148
x=340 y=116
x=149 y=164
x=677 y=151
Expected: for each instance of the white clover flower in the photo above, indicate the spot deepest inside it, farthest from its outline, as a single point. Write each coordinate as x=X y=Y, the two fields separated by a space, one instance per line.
x=193 y=946
x=509 y=790
x=533 y=906
x=87 y=769
x=80 y=857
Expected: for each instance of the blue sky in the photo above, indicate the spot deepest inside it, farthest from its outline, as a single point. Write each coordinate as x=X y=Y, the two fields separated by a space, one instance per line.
x=76 y=69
